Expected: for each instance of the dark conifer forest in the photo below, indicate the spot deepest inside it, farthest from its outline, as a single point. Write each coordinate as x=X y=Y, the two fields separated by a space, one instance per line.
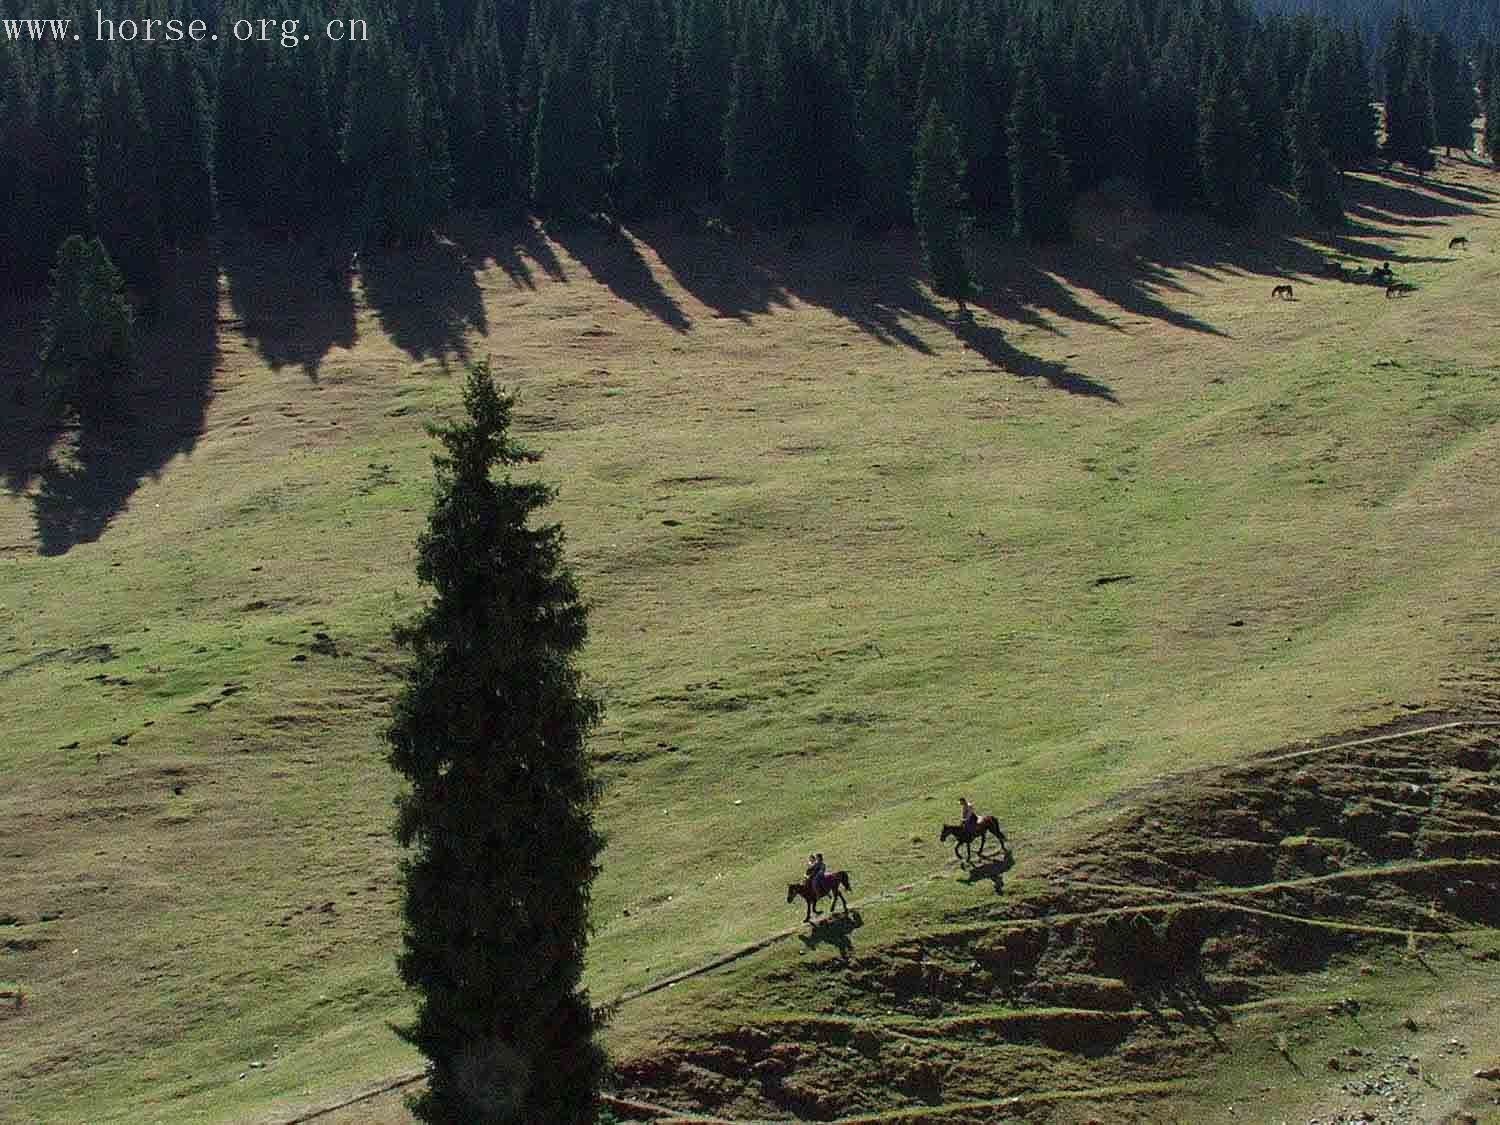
x=765 y=112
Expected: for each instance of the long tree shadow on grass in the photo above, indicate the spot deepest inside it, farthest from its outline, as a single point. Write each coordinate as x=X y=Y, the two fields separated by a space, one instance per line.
x=512 y=244
x=616 y=263
x=990 y=342
x=721 y=273
x=1432 y=183
x=292 y=298
x=748 y=275
x=874 y=284
x=160 y=415
x=426 y=298
x=1142 y=273
x=1410 y=198
x=1169 y=251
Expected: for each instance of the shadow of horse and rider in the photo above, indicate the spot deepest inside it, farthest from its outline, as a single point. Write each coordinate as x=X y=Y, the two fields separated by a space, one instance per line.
x=835 y=929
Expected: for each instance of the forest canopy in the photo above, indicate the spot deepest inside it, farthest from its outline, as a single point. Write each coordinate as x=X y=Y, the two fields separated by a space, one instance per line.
x=771 y=111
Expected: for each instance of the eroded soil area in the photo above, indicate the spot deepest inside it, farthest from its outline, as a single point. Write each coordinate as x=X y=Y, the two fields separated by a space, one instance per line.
x=1110 y=987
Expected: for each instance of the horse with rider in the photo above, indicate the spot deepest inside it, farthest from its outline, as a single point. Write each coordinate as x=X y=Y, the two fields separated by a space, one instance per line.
x=972 y=826
x=819 y=882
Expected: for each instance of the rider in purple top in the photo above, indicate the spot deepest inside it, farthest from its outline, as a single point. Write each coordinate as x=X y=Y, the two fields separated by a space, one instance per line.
x=815 y=868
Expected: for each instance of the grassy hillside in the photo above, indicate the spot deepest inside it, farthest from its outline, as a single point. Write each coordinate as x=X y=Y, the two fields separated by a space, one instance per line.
x=845 y=558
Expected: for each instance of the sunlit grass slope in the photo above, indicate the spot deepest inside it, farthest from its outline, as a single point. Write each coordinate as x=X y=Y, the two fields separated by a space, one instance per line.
x=848 y=560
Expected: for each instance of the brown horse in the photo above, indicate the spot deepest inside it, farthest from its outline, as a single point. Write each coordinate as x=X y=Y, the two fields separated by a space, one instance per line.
x=964 y=836
x=1284 y=291
x=1398 y=288
x=1461 y=240
x=831 y=881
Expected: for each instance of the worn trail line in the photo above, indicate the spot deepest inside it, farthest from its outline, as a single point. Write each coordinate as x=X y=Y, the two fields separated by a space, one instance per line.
x=1377 y=738
x=410 y=1077
x=1012 y=1103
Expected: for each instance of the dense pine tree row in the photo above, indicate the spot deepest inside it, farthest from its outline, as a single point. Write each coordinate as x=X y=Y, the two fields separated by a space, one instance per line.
x=773 y=110
x=1463 y=21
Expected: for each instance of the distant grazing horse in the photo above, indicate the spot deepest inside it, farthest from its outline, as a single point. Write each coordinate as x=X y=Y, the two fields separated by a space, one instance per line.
x=1398 y=289
x=964 y=836
x=831 y=882
x=1461 y=240
x=1284 y=292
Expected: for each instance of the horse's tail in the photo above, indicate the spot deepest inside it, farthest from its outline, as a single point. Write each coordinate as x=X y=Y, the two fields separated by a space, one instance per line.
x=844 y=879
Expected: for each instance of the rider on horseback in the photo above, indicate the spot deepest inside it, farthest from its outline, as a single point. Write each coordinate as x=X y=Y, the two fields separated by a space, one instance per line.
x=815 y=869
x=971 y=817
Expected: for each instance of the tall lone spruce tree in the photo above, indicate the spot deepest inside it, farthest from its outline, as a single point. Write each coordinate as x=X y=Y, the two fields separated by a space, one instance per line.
x=936 y=197
x=489 y=733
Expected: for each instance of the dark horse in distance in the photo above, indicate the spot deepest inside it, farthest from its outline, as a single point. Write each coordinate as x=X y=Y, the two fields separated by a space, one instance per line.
x=964 y=837
x=830 y=882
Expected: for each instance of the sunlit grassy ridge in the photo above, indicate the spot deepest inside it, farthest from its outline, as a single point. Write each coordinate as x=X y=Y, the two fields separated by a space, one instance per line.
x=844 y=559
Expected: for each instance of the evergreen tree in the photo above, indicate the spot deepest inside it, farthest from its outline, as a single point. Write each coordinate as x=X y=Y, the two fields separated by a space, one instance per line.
x=1423 y=132
x=567 y=162
x=482 y=123
x=1267 y=116
x=1041 y=197
x=937 y=207
x=21 y=256
x=433 y=154
x=704 y=61
x=395 y=147
x=885 y=142
x=1408 y=107
x=1452 y=87
x=242 y=132
x=489 y=733
x=1171 y=170
x=123 y=197
x=185 y=138
x=754 y=154
x=1226 y=149
x=302 y=143
x=88 y=348
x=1492 y=121
x=1314 y=177
x=59 y=165
x=636 y=91
x=817 y=114
x=1361 y=124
